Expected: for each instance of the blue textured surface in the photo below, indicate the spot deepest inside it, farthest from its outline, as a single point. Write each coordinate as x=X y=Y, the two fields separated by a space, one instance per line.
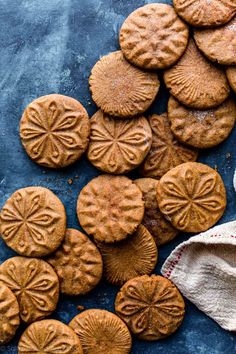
x=50 y=46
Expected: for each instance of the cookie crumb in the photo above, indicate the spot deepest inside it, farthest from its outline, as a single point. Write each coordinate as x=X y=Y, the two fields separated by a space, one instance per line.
x=70 y=181
x=80 y=308
x=76 y=177
x=216 y=168
x=228 y=155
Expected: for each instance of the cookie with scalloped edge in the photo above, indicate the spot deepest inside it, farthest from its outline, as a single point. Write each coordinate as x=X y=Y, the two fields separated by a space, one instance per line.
x=121 y=89
x=195 y=81
x=153 y=36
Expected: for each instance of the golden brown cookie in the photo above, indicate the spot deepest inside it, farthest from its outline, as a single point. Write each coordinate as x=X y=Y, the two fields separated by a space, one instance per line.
x=35 y=285
x=33 y=221
x=195 y=81
x=139 y=247
x=101 y=331
x=49 y=337
x=9 y=314
x=218 y=44
x=166 y=152
x=119 y=88
x=77 y=263
x=110 y=208
x=153 y=36
x=118 y=145
x=205 y=13
x=151 y=306
x=192 y=196
x=54 y=130
x=201 y=129
x=231 y=76
x=160 y=228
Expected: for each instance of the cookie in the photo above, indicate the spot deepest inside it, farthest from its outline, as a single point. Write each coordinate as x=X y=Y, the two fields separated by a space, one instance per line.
x=160 y=228
x=205 y=13
x=218 y=44
x=110 y=208
x=51 y=337
x=9 y=314
x=33 y=221
x=139 y=247
x=118 y=145
x=119 y=88
x=231 y=76
x=195 y=81
x=153 y=36
x=77 y=263
x=166 y=152
x=192 y=196
x=101 y=331
x=201 y=128
x=151 y=306
x=54 y=130
x=35 y=285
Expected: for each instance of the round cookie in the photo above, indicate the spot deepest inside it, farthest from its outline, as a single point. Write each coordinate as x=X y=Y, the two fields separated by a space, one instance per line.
x=54 y=130
x=205 y=13
x=231 y=76
x=9 y=314
x=153 y=36
x=77 y=263
x=35 y=285
x=192 y=197
x=51 y=337
x=118 y=145
x=110 y=208
x=101 y=331
x=218 y=44
x=139 y=247
x=166 y=152
x=195 y=81
x=155 y=222
x=151 y=306
x=33 y=221
x=119 y=88
x=201 y=129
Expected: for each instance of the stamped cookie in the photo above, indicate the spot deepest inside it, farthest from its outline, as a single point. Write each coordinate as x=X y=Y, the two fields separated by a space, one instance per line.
x=110 y=208
x=151 y=306
x=119 y=88
x=33 y=221
x=166 y=152
x=205 y=13
x=118 y=145
x=101 y=331
x=9 y=314
x=218 y=44
x=195 y=81
x=160 y=228
x=54 y=130
x=201 y=128
x=192 y=196
x=77 y=263
x=153 y=36
x=231 y=76
x=139 y=247
x=35 y=285
x=51 y=337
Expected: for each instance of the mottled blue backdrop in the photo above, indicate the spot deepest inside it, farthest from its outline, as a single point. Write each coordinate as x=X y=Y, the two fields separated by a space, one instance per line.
x=50 y=46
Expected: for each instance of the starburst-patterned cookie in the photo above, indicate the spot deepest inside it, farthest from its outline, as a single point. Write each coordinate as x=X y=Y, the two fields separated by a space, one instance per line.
x=49 y=337
x=153 y=36
x=9 y=314
x=166 y=151
x=101 y=331
x=118 y=145
x=195 y=81
x=54 y=130
x=35 y=285
x=192 y=196
x=119 y=88
x=33 y=222
x=77 y=263
x=151 y=306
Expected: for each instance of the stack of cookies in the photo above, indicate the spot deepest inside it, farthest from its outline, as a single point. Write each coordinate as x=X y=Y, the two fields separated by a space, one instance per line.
x=126 y=220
